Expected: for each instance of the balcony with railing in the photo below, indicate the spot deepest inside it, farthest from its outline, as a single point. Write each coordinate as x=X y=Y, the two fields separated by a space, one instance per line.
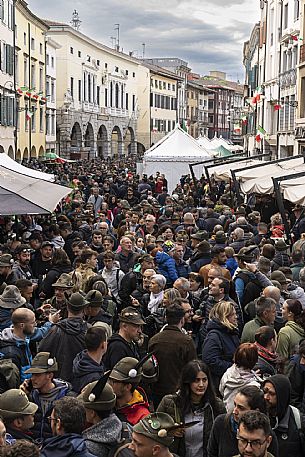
x=288 y=78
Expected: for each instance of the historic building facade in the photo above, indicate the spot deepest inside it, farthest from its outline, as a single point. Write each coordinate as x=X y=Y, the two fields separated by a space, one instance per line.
x=7 y=92
x=98 y=93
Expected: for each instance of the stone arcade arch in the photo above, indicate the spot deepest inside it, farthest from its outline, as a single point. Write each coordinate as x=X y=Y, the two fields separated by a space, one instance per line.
x=25 y=154
x=33 y=153
x=117 y=145
x=102 y=143
x=129 y=142
x=10 y=152
x=41 y=152
x=18 y=156
x=76 y=137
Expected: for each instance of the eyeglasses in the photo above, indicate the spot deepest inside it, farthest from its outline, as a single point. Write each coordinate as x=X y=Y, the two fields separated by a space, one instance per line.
x=50 y=419
x=254 y=444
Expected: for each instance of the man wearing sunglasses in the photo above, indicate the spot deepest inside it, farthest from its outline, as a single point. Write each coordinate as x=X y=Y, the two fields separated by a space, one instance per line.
x=21 y=267
x=254 y=435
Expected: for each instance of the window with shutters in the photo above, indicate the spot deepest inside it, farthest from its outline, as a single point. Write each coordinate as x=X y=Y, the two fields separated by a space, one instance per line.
x=98 y=95
x=33 y=121
x=41 y=119
x=3 y=57
x=1 y=10
x=52 y=90
x=79 y=90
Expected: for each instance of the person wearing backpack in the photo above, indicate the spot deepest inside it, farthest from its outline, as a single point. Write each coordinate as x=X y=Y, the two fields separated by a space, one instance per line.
x=249 y=281
x=286 y=420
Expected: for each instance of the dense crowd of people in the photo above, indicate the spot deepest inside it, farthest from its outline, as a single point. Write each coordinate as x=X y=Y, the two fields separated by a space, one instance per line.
x=135 y=322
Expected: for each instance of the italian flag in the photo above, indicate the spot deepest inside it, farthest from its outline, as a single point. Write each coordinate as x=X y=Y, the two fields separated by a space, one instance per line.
x=257 y=96
x=260 y=134
x=244 y=120
x=277 y=107
x=237 y=128
x=28 y=115
x=296 y=38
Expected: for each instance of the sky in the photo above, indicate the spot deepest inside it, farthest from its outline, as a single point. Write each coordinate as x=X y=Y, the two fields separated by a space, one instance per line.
x=208 y=34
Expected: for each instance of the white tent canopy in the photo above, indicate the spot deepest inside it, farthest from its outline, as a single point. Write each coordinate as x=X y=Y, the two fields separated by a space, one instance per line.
x=295 y=194
x=20 y=194
x=259 y=180
x=223 y=172
x=270 y=169
x=215 y=142
x=7 y=162
x=172 y=155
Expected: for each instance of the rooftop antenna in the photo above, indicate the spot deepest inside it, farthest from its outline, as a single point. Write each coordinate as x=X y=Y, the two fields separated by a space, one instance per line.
x=143 y=50
x=76 y=22
x=117 y=28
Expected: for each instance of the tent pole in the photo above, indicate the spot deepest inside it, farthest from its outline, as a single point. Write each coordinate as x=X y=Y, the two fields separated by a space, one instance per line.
x=237 y=188
x=194 y=178
x=280 y=204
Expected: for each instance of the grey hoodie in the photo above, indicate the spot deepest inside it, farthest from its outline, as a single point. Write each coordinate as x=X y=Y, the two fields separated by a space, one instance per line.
x=103 y=436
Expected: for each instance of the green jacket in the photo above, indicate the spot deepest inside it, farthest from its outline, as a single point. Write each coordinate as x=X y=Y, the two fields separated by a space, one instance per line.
x=169 y=405
x=250 y=328
x=289 y=338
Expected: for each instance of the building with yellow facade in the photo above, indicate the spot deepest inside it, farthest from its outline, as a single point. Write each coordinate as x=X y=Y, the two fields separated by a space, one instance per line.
x=163 y=102
x=30 y=83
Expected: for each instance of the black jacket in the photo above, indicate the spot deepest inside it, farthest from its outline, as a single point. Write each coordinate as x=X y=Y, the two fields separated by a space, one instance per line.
x=223 y=442
x=218 y=349
x=64 y=341
x=85 y=370
x=290 y=439
x=296 y=375
x=127 y=262
x=117 y=349
x=130 y=282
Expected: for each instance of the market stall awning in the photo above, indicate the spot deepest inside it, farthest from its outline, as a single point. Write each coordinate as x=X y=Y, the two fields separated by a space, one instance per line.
x=20 y=194
x=221 y=151
x=259 y=180
x=223 y=172
x=10 y=164
x=269 y=169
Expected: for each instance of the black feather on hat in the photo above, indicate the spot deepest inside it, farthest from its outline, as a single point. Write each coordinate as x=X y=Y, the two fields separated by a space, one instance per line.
x=99 y=387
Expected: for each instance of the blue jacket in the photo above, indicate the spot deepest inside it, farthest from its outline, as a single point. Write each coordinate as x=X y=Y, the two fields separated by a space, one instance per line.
x=67 y=445
x=231 y=265
x=85 y=370
x=42 y=428
x=218 y=348
x=166 y=266
x=16 y=349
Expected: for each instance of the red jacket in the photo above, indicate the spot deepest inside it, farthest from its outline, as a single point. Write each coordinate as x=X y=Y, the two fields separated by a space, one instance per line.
x=136 y=409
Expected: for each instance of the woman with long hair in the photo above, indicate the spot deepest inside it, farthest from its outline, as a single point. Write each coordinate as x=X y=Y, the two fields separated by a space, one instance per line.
x=290 y=336
x=195 y=401
x=221 y=341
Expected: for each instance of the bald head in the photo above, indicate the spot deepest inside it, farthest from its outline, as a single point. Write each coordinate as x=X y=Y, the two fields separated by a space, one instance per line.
x=272 y=292
x=22 y=315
